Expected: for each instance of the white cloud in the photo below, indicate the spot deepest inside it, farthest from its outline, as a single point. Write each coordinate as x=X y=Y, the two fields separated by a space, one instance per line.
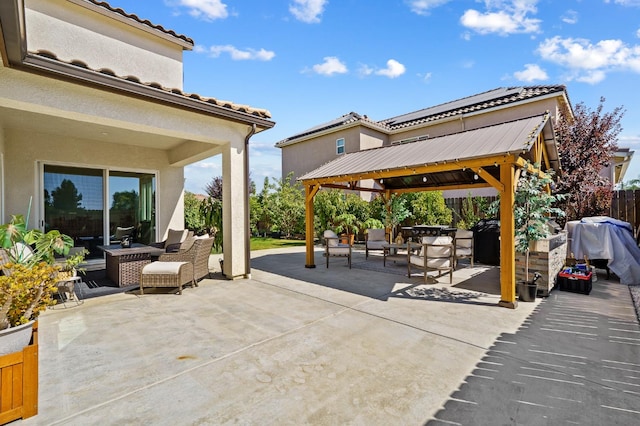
x=503 y=17
x=308 y=11
x=570 y=17
x=625 y=2
x=207 y=10
x=531 y=72
x=590 y=62
x=638 y=33
x=394 y=69
x=365 y=70
x=422 y=7
x=331 y=65
x=237 y=54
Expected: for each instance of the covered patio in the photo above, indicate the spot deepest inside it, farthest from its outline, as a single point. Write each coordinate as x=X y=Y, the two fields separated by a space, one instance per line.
x=491 y=156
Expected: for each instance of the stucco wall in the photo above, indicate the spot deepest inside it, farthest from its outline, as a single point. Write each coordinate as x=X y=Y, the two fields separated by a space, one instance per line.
x=26 y=148
x=74 y=32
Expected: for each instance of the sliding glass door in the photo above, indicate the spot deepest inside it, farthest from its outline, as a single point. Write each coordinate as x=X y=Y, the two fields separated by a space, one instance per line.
x=74 y=204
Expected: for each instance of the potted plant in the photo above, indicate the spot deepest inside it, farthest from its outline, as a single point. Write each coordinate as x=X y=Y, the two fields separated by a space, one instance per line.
x=30 y=274
x=533 y=208
x=347 y=224
x=71 y=265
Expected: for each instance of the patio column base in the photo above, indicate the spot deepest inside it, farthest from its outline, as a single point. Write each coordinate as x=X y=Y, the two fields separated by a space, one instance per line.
x=310 y=266
x=510 y=305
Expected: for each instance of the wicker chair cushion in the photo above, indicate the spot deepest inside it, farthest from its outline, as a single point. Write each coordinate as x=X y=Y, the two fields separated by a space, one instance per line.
x=376 y=235
x=376 y=244
x=162 y=268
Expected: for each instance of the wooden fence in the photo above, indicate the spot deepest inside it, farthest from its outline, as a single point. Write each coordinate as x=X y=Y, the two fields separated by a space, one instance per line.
x=624 y=206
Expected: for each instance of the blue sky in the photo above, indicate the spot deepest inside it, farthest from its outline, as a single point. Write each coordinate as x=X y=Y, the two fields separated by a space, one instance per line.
x=310 y=61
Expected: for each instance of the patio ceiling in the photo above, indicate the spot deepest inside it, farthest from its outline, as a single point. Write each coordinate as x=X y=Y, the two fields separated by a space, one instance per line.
x=461 y=160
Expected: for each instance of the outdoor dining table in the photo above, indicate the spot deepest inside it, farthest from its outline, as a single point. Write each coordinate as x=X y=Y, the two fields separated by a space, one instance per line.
x=123 y=265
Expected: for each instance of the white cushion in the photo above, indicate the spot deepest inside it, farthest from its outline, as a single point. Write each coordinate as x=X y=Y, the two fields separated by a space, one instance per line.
x=463 y=251
x=162 y=268
x=376 y=244
x=340 y=250
x=464 y=238
x=433 y=263
x=376 y=234
x=175 y=236
x=329 y=235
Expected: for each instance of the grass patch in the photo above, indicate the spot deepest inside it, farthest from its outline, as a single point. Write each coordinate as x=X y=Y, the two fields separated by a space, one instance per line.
x=263 y=243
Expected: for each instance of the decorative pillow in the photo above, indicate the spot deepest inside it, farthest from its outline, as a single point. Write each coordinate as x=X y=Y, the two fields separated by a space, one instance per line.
x=175 y=236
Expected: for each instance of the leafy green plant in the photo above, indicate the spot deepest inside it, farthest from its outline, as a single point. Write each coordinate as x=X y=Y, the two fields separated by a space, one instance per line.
x=211 y=212
x=533 y=208
x=395 y=212
x=28 y=283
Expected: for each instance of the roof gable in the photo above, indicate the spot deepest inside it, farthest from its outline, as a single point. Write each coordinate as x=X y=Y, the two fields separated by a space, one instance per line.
x=502 y=96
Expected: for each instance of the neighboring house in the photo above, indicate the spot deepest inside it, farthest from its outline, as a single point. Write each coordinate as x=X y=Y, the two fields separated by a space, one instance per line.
x=95 y=128
x=314 y=147
x=353 y=132
x=618 y=167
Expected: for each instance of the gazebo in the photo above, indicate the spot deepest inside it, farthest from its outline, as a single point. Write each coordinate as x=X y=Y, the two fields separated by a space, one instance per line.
x=491 y=156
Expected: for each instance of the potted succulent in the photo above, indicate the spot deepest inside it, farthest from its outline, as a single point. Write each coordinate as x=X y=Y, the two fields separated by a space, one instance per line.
x=28 y=283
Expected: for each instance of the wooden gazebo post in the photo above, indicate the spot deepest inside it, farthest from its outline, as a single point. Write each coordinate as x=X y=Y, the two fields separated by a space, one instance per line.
x=310 y=192
x=507 y=238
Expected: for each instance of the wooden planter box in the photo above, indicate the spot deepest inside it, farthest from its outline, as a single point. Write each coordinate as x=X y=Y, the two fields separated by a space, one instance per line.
x=19 y=382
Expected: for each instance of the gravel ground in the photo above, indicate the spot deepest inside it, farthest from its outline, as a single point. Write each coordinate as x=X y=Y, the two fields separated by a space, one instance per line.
x=635 y=296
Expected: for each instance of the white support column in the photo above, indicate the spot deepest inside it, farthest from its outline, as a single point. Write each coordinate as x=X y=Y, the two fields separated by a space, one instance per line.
x=234 y=198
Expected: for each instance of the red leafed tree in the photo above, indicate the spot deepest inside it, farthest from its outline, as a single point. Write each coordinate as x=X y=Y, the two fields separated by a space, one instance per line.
x=586 y=146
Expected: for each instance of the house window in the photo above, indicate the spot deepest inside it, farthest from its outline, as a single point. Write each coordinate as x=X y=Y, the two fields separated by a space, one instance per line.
x=340 y=146
x=74 y=204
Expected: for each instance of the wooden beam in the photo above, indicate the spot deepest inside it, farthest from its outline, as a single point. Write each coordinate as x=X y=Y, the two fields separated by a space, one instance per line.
x=488 y=178
x=442 y=188
x=311 y=191
x=507 y=239
x=417 y=169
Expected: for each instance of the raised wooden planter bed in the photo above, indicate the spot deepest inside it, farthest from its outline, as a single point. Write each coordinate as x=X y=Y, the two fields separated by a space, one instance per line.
x=19 y=382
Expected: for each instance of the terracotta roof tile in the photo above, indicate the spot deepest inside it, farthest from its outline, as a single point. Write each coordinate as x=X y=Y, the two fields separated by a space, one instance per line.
x=258 y=112
x=135 y=17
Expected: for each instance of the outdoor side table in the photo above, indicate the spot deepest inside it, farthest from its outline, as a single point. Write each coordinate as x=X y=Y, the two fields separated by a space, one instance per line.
x=125 y=264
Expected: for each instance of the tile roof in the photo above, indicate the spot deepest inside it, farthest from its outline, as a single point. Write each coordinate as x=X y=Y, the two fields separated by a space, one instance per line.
x=478 y=102
x=262 y=113
x=482 y=101
x=504 y=138
x=135 y=17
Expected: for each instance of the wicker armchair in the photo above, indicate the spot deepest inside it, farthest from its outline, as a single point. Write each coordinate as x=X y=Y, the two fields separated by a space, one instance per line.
x=197 y=254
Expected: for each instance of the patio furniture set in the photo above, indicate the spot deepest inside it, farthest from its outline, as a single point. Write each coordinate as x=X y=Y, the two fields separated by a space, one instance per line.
x=180 y=260
x=433 y=249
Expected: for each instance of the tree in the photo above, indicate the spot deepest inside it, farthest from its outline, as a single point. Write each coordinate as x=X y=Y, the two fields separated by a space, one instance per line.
x=193 y=219
x=631 y=184
x=214 y=188
x=586 y=146
x=429 y=208
x=285 y=206
x=125 y=201
x=66 y=197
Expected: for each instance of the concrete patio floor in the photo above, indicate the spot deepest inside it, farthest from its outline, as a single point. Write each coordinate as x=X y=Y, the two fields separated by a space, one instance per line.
x=291 y=345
